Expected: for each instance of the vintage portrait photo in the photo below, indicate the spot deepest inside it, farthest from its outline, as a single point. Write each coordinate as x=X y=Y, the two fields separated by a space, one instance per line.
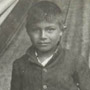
x=44 y=44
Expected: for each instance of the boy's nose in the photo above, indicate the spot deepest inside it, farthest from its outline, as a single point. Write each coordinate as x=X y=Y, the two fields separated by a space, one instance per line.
x=43 y=34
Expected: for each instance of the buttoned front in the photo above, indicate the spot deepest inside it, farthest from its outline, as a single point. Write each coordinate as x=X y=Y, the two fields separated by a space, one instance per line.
x=58 y=74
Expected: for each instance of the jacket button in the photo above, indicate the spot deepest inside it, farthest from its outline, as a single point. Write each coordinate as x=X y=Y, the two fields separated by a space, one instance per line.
x=45 y=70
x=44 y=86
x=23 y=71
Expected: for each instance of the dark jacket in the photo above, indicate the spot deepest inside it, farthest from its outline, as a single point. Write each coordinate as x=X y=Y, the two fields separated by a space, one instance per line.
x=63 y=72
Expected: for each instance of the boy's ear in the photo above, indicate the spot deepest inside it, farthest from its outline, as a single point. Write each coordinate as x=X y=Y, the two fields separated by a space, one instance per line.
x=64 y=26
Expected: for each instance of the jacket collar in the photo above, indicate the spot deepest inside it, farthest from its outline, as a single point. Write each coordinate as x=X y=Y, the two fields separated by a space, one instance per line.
x=32 y=57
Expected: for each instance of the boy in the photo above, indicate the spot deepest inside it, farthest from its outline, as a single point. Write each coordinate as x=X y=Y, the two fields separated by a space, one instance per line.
x=46 y=65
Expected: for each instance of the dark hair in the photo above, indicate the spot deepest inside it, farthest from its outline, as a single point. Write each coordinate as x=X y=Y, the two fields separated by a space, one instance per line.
x=43 y=10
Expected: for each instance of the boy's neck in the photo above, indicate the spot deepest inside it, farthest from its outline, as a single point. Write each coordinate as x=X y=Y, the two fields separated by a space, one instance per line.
x=44 y=55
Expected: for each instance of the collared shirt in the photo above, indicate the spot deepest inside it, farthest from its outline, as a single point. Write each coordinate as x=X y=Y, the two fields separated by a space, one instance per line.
x=45 y=61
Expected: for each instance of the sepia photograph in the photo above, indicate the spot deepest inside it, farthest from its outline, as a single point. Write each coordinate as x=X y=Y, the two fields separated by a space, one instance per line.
x=44 y=44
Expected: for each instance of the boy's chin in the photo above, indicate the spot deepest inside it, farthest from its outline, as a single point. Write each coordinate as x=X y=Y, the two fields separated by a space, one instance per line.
x=44 y=50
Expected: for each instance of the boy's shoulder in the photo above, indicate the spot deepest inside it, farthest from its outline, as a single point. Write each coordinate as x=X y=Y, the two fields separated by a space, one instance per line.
x=69 y=54
x=21 y=60
x=24 y=58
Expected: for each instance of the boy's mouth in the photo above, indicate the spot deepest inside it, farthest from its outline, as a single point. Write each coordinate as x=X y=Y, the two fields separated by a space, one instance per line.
x=43 y=43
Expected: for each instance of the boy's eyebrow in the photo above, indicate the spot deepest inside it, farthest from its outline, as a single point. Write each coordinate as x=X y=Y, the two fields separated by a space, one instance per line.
x=35 y=26
x=50 y=27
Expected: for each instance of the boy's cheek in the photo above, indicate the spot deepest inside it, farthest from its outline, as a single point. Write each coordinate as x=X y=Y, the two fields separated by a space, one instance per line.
x=34 y=37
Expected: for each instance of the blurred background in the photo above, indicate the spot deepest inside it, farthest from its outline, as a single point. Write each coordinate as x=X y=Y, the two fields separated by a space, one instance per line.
x=14 y=40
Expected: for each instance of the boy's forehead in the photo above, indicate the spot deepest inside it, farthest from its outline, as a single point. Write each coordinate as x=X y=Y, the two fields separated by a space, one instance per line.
x=45 y=24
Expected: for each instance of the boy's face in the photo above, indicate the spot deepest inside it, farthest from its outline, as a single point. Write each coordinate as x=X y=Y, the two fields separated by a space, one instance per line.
x=45 y=35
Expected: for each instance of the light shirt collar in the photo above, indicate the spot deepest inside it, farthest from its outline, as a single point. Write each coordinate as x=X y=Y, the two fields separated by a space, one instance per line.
x=45 y=61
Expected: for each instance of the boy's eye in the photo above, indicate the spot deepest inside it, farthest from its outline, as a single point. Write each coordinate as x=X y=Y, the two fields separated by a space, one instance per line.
x=50 y=29
x=35 y=29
